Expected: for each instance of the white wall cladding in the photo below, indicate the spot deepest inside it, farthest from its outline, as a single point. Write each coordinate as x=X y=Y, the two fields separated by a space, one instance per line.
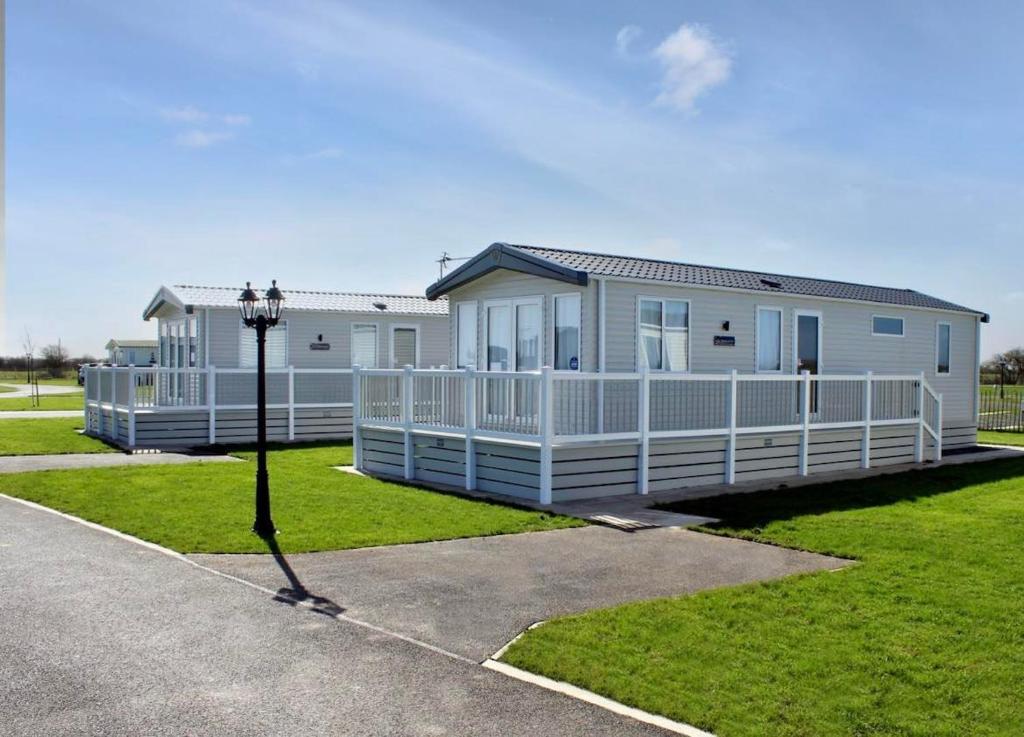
x=848 y=347
x=305 y=327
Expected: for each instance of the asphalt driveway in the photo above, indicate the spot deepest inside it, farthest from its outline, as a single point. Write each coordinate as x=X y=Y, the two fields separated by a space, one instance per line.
x=472 y=596
x=100 y=635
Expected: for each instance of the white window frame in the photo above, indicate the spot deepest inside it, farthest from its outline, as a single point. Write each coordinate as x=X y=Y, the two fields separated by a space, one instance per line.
x=689 y=333
x=578 y=296
x=513 y=320
x=938 y=327
x=903 y=326
x=391 y=342
x=757 y=338
x=241 y=332
x=821 y=333
x=352 y=343
x=476 y=328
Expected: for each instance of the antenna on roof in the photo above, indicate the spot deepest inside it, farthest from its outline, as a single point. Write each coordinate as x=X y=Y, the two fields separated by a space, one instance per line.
x=447 y=259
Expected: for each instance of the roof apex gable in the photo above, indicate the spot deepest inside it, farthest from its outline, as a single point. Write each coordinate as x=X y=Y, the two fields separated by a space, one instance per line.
x=505 y=256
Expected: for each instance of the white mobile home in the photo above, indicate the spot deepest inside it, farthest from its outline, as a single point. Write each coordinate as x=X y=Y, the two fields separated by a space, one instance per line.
x=203 y=389
x=664 y=375
x=131 y=352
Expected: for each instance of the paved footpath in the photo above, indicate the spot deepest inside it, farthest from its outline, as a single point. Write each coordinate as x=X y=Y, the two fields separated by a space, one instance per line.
x=38 y=414
x=22 y=464
x=99 y=635
x=472 y=596
x=26 y=390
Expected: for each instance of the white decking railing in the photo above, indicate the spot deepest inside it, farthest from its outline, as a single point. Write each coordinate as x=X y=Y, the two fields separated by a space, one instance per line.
x=123 y=391
x=547 y=409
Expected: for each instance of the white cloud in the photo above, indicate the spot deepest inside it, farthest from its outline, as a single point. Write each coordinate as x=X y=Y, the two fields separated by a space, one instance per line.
x=193 y=115
x=693 y=64
x=624 y=39
x=235 y=119
x=328 y=152
x=186 y=114
x=201 y=139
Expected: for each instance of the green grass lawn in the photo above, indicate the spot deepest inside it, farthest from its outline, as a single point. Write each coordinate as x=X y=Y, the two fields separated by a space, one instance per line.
x=46 y=402
x=4 y=389
x=209 y=508
x=1000 y=438
x=1008 y=390
x=924 y=638
x=47 y=436
x=18 y=377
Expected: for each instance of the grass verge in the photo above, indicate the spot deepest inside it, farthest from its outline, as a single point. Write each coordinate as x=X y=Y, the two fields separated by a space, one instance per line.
x=47 y=437
x=924 y=638
x=208 y=508
x=46 y=402
x=1000 y=438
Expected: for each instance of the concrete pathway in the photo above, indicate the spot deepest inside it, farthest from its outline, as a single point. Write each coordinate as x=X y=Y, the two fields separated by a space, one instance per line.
x=39 y=414
x=25 y=390
x=21 y=464
x=472 y=596
x=104 y=636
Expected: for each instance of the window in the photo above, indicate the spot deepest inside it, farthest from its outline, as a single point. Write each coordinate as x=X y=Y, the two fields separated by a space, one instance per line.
x=364 y=346
x=567 y=332
x=942 y=341
x=403 y=347
x=528 y=332
x=769 y=339
x=514 y=331
x=276 y=348
x=890 y=326
x=664 y=334
x=465 y=338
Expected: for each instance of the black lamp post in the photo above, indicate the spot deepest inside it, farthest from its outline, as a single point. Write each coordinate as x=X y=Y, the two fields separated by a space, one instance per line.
x=1002 y=374
x=253 y=316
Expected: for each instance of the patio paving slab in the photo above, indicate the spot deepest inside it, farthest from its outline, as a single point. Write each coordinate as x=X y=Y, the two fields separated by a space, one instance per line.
x=472 y=596
x=23 y=464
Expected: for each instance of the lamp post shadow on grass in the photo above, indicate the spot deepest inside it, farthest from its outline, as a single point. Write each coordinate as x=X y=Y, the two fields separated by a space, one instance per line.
x=296 y=593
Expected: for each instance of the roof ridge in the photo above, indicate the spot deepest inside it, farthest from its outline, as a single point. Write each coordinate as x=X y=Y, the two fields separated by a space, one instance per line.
x=308 y=291
x=719 y=268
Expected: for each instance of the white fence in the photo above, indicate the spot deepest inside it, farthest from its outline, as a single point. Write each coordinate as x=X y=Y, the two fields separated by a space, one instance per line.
x=114 y=392
x=547 y=409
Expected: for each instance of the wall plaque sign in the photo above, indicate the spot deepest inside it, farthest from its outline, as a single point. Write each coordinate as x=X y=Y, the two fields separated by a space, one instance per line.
x=319 y=346
x=726 y=340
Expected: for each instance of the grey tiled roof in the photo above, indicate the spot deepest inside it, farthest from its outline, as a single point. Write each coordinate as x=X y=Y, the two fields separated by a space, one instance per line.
x=598 y=264
x=296 y=299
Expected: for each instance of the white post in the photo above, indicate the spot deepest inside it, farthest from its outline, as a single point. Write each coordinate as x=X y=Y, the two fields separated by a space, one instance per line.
x=211 y=402
x=865 y=449
x=131 y=405
x=938 y=427
x=469 y=410
x=919 y=439
x=291 y=402
x=99 y=401
x=730 y=449
x=547 y=431
x=805 y=419
x=407 y=405
x=85 y=399
x=357 y=440
x=601 y=340
x=112 y=430
x=644 y=422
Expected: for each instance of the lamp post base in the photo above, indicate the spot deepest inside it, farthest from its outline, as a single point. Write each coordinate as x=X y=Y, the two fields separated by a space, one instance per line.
x=263 y=525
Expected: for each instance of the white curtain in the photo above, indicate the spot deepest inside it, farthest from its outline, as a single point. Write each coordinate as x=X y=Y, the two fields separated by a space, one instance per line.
x=466 y=328
x=277 y=346
x=403 y=349
x=567 y=333
x=364 y=346
x=769 y=340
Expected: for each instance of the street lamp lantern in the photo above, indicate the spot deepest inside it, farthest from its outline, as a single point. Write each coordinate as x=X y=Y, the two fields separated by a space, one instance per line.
x=261 y=320
x=248 y=302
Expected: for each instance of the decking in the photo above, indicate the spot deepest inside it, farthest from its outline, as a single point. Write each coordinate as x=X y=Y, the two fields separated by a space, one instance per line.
x=556 y=436
x=153 y=407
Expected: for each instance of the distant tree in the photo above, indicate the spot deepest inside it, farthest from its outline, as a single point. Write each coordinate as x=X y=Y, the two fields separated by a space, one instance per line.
x=29 y=347
x=55 y=359
x=1012 y=370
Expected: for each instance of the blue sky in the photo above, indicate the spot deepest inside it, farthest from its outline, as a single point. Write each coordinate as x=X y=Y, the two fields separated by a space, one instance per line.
x=346 y=145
